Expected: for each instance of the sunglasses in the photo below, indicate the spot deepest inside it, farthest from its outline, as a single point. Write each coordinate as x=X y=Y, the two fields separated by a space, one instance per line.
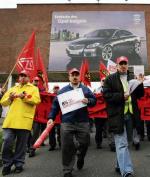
x=123 y=63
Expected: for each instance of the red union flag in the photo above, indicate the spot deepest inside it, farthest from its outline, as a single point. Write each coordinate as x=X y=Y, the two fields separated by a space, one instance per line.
x=25 y=60
x=103 y=72
x=84 y=73
x=25 y=64
x=40 y=67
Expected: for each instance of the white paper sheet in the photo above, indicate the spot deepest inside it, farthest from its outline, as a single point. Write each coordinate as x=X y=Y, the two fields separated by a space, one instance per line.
x=71 y=100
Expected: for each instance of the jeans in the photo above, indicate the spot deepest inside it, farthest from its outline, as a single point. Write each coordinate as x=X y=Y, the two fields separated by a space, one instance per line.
x=14 y=139
x=122 y=151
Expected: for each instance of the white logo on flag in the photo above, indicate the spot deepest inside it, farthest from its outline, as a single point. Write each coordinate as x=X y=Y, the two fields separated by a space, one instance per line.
x=26 y=63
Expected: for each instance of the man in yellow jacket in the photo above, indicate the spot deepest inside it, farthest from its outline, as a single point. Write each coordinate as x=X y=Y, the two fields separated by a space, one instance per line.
x=22 y=100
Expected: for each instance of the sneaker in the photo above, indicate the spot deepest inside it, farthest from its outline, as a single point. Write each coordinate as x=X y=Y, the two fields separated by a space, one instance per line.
x=18 y=169
x=6 y=170
x=80 y=163
x=68 y=174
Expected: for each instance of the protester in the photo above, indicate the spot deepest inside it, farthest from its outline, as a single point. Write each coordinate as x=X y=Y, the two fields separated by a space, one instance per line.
x=36 y=81
x=56 y=129
x=17 y=125
x=122 y=111
x=38 y=126
x=74 y=126
x=99 y=121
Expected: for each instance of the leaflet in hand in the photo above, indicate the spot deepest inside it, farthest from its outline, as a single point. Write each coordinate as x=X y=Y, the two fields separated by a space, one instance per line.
x=71 y=100
x=133 y=84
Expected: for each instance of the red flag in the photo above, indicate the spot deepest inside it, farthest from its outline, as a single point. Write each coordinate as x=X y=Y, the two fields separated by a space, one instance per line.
x=26 y=60
x=103 y=72
x=84 y=73
x=41 y=68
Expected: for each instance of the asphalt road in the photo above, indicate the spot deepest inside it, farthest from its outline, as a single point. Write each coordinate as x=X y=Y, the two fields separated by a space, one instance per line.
x=98 y=163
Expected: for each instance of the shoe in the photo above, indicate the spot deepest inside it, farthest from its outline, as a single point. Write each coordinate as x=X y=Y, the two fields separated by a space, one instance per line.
x=112 y=147
x=27 y=150
x=142 y=138
x=117 y=169
x=32 y=153
x=80 y=163
x=6 y=170
x=128 y=175
x=68 y=174
x=51 y=149
x=136 y=146
x=42 y=144
x=99 y=146
x=18 y=169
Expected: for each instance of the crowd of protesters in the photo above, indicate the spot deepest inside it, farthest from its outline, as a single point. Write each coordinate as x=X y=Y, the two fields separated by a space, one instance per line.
x=121 y=124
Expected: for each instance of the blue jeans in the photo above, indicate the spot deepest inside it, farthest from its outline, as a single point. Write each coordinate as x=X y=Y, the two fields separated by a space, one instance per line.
x=122 y=151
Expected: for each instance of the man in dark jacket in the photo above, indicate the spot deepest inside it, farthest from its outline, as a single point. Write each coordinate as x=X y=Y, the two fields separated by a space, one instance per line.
x=123 y=111
x=75 y=125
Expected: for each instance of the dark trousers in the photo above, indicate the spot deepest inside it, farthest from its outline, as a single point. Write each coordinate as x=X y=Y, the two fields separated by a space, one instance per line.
x=52 y=136
x=74 y=137
x=99 y=124
x=1 y=110
x=36 y=131
x=14 y=140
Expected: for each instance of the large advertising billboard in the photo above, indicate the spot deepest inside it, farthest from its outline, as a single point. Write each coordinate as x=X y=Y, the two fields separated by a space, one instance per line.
x=96 y=35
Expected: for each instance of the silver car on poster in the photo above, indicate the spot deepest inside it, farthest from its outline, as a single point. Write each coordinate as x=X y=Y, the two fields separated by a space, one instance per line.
x=105 y=44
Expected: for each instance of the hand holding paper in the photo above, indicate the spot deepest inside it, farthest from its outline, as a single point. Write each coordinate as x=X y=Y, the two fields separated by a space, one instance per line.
x=85 y=101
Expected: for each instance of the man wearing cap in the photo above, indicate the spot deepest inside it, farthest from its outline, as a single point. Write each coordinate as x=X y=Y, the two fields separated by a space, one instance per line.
x=22 y=100
x=74 y=126
x=36 y=81
x=123 y=112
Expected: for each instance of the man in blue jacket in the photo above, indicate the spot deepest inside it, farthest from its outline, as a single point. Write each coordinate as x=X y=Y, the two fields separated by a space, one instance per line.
x=75 y=125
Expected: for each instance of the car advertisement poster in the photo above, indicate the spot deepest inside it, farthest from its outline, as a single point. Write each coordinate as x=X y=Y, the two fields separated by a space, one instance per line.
x=96 y=36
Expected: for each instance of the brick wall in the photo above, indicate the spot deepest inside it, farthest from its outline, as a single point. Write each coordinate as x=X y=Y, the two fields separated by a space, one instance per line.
x=16 y=25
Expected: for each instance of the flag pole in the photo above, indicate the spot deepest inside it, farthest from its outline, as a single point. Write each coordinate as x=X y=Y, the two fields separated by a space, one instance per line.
x=9 y=76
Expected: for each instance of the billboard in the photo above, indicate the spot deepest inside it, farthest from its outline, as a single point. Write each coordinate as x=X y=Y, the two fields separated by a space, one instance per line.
x=96 y=35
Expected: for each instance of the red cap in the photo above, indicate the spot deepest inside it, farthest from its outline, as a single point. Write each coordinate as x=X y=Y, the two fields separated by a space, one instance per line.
x=122 y=58
x=74 y=70
x=36 y=78
x=24 y=72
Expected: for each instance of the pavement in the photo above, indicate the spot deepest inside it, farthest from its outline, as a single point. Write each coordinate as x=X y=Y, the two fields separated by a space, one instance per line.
x=98 y=162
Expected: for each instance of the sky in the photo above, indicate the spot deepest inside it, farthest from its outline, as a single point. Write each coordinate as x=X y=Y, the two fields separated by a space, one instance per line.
x=5 y=4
